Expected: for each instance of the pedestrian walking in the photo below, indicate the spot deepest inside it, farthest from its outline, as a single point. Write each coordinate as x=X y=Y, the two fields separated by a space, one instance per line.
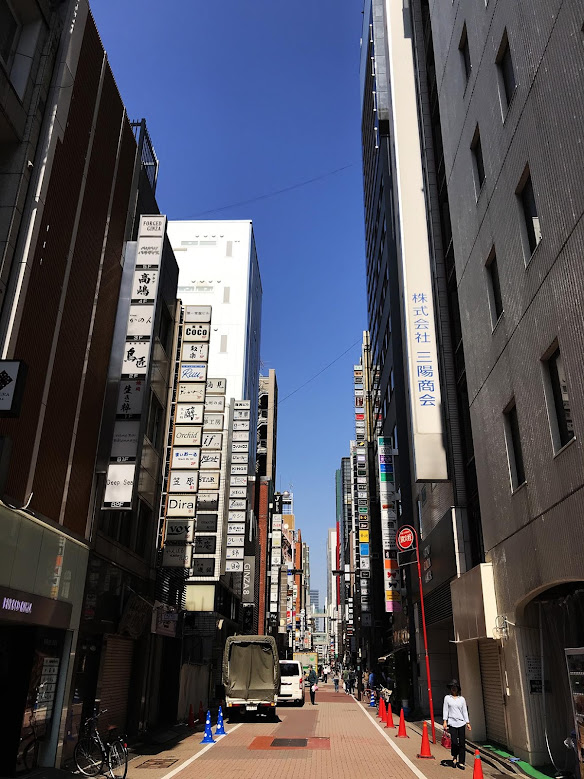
x=346 y=680
x=352 y=680
x=325 y=672
x=455 y=716
x=336 y=680
x=313 y=682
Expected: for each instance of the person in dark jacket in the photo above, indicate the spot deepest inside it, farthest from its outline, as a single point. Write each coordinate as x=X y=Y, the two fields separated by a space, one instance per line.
x=312 y=681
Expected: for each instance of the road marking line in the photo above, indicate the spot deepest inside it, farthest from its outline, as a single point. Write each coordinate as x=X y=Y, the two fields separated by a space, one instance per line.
x=395 y=747
x=179 y=768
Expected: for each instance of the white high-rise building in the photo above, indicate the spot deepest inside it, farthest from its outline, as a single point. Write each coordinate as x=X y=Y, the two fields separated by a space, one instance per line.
x=218 y=267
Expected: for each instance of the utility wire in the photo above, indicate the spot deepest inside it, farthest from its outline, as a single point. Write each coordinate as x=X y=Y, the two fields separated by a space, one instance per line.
x=316 y=375
x=275 y=192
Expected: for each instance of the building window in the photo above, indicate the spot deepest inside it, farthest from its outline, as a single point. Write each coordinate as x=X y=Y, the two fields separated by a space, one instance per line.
x=532 y=231
x=506 y=74
x=165 y=329
x=494 y=285
x=8 y=32
x=155 y=422
x=514 y=450
x=465 y=54
x=558 y=400
x=478 y=163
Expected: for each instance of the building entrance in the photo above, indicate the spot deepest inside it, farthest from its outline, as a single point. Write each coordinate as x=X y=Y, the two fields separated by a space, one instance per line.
x=30 y=659
x=553 y=622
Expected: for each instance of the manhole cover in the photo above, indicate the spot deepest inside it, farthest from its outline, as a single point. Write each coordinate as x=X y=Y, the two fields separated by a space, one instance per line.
x=159 y=763
x=289 y=742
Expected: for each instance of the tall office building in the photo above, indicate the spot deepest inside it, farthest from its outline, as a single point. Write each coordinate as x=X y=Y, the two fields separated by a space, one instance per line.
x=421 y=430
x=508 y=85
x=267 y=435
x=219 y=272
x=268 y=426
x=486 y=88
x=218 y=267
x=74 y=176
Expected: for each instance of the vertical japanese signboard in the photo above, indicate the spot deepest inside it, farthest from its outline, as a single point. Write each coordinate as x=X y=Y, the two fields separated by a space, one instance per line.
x=428 y=452
x=121 y=470
x=237 y=489
x=185 y=498
x=388 y=509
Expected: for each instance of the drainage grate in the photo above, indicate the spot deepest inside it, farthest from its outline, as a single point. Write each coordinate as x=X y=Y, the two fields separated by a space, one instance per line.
x=159 y=763
x=289 y=742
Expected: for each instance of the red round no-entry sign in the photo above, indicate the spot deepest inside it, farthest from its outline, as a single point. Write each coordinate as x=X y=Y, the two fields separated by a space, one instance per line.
x=405 y=538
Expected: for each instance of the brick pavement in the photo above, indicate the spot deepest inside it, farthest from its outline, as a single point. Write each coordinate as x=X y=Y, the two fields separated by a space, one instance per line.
x=357 y=748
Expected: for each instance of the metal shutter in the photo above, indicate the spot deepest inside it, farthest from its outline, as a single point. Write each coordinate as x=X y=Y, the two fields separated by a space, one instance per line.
x=492 y=684
x=115 y=680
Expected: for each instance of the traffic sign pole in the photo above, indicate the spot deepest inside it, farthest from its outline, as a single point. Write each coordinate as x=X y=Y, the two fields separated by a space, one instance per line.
x=405 y=540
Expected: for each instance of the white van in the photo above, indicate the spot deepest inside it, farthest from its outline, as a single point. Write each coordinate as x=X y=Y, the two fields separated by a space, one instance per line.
x=291 y=682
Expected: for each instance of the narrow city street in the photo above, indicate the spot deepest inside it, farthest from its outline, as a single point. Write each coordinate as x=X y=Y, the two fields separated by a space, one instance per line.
x=338 y=737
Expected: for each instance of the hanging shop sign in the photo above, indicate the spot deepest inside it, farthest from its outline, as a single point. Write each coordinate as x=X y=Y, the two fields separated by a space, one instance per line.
x=197 y=313
x=187 y=435
x=216 y=386
x=12 y=381
x=135 y=364
x=182 y=530
x=183 y=481
x=195 y=352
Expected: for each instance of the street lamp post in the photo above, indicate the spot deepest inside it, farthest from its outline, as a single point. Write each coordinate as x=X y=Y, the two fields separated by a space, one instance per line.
x=406 y=538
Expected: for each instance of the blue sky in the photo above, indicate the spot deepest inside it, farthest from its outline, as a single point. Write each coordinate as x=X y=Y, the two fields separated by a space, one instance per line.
x=243 y=98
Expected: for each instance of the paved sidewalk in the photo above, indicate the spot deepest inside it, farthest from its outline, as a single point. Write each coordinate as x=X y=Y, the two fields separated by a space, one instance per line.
x=336 y=739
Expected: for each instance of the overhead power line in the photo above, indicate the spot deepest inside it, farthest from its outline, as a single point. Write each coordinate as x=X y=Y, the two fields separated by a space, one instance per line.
x=316 y=375
x=275 y=192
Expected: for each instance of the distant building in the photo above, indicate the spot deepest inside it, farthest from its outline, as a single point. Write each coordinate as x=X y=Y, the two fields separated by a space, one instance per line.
x=268 y=426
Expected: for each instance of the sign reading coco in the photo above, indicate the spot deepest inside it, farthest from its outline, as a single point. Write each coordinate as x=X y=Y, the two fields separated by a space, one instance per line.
x=405 y=538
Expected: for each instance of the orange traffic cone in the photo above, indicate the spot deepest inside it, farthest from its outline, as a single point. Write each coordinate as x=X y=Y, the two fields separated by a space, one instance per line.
x=201 y=714
x=401 y=732
x=425 y=750
x=477 y=772
x=381 y=714
x=389 y=717
x=191 y=717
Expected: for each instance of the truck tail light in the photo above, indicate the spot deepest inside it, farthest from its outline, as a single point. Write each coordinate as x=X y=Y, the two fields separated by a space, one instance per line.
x=300 y=681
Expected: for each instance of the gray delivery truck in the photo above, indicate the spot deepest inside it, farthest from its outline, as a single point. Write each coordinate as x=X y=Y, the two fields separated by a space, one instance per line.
x=251 y=674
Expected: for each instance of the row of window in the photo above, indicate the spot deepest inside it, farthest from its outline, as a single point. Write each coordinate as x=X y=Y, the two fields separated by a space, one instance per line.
x=559 y=415
x=530 y=237
x=504 y=64
x=507 y=87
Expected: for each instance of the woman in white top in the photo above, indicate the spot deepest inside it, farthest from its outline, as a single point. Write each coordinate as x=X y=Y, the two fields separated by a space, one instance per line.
x=455 y=716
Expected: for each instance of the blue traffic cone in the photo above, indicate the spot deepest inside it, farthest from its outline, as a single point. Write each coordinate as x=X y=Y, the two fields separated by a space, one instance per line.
x=372 y=701
x=208 y=737
x=220 y=729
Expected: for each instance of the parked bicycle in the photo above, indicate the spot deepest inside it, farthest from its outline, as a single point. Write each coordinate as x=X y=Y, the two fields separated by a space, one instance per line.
x=32 y=741
x=92 y=753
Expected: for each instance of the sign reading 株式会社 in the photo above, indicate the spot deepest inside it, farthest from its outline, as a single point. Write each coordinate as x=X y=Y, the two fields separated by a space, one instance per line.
x=414 y=267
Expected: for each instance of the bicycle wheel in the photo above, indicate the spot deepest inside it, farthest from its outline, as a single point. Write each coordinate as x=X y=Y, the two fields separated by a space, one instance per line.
x=88 y=756
x=30 y=755
x=118 y=760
